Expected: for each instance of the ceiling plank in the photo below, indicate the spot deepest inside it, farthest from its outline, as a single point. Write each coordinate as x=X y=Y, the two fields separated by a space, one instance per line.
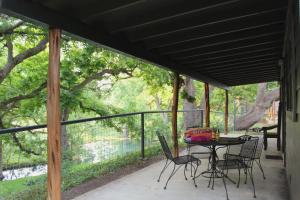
x=215 y=30
x=250 y=67
x=231 y=59
x=238 y=49
x=201 y=20
x=158 y=14
x=255 y=38
x=242 y=63
x=30 y=11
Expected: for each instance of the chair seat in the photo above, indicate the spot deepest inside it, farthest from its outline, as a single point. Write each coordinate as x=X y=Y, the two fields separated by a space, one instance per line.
x=227 y=164
x=184 y=159
x=231 y=164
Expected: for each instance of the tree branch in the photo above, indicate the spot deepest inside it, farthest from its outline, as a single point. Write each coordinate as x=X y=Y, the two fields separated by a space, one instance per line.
x=4 y=72
x=17 y=141
x=10 y=29
x=99 y=75
x=22 y=97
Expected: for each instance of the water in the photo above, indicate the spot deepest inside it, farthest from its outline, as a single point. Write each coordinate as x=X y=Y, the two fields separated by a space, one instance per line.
x=24 y=172
x=91 y=153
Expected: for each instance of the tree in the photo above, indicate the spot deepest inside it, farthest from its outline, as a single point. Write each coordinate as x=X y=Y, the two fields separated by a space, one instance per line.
x=264 y=100
x=12 y=54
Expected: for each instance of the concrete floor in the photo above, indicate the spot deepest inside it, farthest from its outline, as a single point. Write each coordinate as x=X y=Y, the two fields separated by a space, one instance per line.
x=142 y=185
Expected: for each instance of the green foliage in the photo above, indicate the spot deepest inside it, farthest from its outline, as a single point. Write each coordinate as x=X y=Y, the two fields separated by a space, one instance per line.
x=73 y=175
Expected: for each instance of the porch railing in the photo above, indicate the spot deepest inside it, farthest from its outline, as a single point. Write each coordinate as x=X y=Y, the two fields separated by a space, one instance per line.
x=88 y=142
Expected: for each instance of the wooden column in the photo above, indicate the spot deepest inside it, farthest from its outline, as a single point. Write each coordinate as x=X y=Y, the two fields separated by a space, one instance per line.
x=226 y=113
x=207 y=106
x=174 y=113
x=53 y=116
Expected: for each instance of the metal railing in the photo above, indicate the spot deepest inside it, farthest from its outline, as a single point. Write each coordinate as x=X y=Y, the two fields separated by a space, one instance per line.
x=93 y=142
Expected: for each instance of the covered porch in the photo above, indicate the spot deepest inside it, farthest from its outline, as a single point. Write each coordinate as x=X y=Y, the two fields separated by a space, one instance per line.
x=223 y=43
x=143 y=184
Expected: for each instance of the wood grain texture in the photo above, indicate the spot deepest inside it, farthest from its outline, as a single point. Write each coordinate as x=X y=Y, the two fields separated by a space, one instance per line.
x=226 y=113
x=174 y=113
x=207 y=105
x=53 y=116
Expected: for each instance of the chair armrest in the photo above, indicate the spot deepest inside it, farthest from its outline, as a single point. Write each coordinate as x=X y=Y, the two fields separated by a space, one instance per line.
x=269 y=127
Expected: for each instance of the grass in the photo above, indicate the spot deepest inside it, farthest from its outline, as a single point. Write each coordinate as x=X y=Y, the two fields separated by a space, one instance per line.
x=72 y=175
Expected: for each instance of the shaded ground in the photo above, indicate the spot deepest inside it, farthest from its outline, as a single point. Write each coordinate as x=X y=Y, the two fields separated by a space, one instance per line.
x=143 y=185
x=95 y=183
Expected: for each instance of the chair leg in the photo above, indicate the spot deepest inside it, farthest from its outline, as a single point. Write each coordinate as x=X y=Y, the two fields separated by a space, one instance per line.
x=260 y=167
x=191 y=170
x=172 y=174
x=246 y=173
x=252 y=181
x=238 y=184
x=164 y=168
x=185 y=167
x=225 y=187
x=195 y=173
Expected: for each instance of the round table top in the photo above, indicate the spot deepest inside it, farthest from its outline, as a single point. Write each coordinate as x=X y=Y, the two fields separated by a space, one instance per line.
x=222 y=141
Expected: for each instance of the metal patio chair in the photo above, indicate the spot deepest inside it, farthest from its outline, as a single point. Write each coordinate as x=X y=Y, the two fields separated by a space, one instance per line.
x=235 y=155
x=177 y=161
x=243 y=161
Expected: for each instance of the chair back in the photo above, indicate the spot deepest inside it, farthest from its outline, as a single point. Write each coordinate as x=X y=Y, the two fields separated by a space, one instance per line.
x=259 y=148
x=248 y=149
x=164 y=146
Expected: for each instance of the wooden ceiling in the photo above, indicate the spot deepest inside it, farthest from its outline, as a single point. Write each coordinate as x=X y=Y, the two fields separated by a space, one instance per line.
x=223 y=42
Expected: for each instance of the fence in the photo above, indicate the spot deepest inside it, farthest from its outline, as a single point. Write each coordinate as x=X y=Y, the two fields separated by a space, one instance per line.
x=91 y=147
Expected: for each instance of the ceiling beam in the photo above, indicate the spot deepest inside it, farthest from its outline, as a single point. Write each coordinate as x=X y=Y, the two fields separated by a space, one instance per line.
x=231 y=60
x=238 y=41
x=194 y=21
x=253 y=82
x=250 y=67
x=242 y=63
x=34 y=12
x=237 y=49
x=215 y=30
x=225 y=38
x=248 y=78
x=162 y=12
x=265 y=70
x=114 y=6
x=249 y=52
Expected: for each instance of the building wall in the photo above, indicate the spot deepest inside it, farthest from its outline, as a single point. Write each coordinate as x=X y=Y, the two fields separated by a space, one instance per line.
x=292 y=124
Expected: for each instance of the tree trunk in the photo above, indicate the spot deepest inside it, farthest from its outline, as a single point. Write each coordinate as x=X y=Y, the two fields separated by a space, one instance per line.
x=1 y=164
x=1 y=153
x=164 y=116
x=191 y=119
x=255 y=114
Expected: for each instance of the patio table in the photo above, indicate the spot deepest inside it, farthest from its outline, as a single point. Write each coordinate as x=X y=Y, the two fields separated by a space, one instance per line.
x=213 y=172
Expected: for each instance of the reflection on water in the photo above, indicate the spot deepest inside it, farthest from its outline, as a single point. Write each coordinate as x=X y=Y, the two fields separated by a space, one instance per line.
x=24 y=172
x=107 y=149
x=89 y=153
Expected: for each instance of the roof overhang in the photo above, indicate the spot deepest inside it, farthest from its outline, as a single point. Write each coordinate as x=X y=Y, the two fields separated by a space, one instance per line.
x=222 y=42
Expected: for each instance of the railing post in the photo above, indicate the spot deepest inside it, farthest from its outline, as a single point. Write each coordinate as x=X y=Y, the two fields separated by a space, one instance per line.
x=143 y=135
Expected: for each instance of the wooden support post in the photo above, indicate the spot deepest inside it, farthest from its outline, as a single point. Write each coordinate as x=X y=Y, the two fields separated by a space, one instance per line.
x=174 y=113
x=53 y=116
x=207 y=106
x=226 y=113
